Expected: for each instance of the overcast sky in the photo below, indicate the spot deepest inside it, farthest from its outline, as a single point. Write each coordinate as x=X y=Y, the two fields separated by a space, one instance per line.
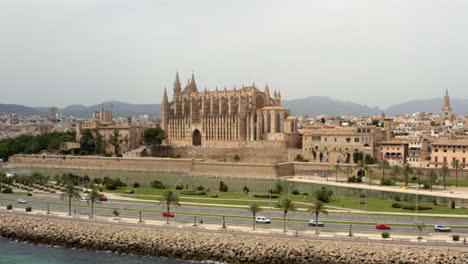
x=375 y=52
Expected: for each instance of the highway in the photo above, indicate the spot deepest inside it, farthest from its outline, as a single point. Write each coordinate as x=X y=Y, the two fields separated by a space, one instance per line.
x=239 y=216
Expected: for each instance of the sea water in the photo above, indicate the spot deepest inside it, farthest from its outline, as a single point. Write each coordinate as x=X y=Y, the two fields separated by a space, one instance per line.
x=14 y=252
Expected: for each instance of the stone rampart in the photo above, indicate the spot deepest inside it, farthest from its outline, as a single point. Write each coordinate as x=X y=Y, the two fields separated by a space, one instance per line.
x=226 y=248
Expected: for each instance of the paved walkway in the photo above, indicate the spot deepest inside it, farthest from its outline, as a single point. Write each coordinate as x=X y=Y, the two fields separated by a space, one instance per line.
x=451 y=192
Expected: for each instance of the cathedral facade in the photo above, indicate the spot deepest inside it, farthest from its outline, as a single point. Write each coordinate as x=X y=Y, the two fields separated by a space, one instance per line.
x=226 y=118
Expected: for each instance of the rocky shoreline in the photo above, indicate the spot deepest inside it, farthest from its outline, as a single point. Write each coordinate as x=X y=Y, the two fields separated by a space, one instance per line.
x=227 y=248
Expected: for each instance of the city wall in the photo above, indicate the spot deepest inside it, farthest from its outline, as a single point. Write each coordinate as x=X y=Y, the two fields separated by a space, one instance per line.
x=199 y=167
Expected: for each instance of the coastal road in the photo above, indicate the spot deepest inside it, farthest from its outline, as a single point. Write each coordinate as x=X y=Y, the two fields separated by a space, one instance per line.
x=239 y=216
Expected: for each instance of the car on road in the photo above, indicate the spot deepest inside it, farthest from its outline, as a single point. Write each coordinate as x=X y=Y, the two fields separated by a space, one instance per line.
x=382 y=227
x=442 y=228
x=103 y=198
x=84 y=197
x=262 y=220
x=167 y=214
x=323 y=175
x=21 y=201
x=315 y=223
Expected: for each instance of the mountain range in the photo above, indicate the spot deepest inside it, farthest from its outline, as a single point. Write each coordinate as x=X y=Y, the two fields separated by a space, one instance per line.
x=312 y=105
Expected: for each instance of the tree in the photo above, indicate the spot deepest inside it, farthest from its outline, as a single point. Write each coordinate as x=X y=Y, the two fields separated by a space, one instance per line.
x=444 y=172
x=395 y=170
x=236 y=158
x=456 y=166
x=383 y=165
x=154 y=136
x=70 y=194
x=407 y=170
x=246 y=190
x=337 y=169
x=316 y=209
x=369 y=159
x=169 y=198
x=115 y=140
x=432 y=177
x=254 y=209
x=223 y=187
x=87 y=141
x=324 y=195
x=286 y=206
x=94 y=197
x=321 y=156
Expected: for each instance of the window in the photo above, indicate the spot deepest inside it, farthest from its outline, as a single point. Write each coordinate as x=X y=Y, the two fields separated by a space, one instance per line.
x=356 y=139
x=335 y=139
x=445 y=159
x=464 y=161
x=315 y=138
x=436 y=159
x=436 y=150
x=325 y=139
x=445 y=150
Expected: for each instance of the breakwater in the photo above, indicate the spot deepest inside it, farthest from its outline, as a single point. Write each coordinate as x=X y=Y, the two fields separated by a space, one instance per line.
x=230 y=248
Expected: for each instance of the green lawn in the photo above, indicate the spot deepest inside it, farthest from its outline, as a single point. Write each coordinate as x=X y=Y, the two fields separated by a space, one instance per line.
x=381 y=205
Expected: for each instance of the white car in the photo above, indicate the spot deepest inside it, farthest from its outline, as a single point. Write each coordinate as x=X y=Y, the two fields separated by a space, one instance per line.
x=21 y=201
x=84 y=197
x=315 y=223
x=262 y=220
x=442 y=228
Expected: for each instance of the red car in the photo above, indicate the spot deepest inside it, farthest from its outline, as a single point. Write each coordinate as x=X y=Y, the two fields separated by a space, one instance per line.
x=167 y=214
x=382 y=226
x=103 y=198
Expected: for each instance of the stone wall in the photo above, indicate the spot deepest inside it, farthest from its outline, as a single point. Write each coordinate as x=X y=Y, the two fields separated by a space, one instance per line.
x=225 y=248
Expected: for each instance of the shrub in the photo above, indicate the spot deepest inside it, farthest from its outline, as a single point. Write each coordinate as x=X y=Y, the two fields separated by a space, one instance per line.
x=355 y=179
x=28 y=209
x=157 y=185
x=179 y=187
x=323 y=195
x=193 y=192
x=136 y=185
x=386 y=182
x=385 y=234
x=200 y=188
x=413 y=207
x=304 y=194
x=107 y=155
x=265 y=195
x=7 y=190
x=295 y=192
x=426 y=186
x=223 y=187
x=396 y=205
x=245 y=189
x=116 y=212
x=83 y=153
x=456 y=238
x=110 y=187
x=9 y=207
x=414 y=178
x=119 y=155
x=434 y=202
x=397 y=198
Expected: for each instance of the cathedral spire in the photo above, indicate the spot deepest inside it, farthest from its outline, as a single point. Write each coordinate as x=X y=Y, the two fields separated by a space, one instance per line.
x=177 y=86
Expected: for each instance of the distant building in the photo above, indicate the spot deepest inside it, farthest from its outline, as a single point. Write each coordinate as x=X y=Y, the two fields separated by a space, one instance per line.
x=130 y=136
x=447 y=115
x=444 y=152
x=395 y=151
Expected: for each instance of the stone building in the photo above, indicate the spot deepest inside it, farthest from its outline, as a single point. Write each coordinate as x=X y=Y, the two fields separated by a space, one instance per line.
x=447 y=116
x=130 y=136
x=445 y=151
x=395 y=151
x=227 y=118
x=337 y=144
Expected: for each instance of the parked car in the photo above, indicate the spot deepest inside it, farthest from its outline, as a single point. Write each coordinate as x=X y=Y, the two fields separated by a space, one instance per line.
x=84 y=197
x=323 y=175
x=442 y=228
x=262 y=220
x=315 y=223
x=21 y=201
x=167 y=214
x=382 y=226
x=103 y=198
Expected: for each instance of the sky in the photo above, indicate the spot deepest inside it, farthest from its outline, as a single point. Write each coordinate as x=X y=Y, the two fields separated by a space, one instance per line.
x=374 y=52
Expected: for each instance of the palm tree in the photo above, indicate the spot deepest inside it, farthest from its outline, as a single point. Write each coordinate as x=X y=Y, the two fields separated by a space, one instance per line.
x=395 y=170
x=383 y=165
x=444 y=172
x=432 y=177
x=94 y=197
x=348 y=170
x=337 y=169
x=419 y=173
x=456 y=166
x=370 y=173
x=286 y=205
x=70 y=194
x=169 y=197
x=316 y=209
x=254 y=209
x=407 y=170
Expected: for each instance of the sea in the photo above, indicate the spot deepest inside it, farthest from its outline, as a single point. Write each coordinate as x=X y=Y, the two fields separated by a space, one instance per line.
x=14 y=252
